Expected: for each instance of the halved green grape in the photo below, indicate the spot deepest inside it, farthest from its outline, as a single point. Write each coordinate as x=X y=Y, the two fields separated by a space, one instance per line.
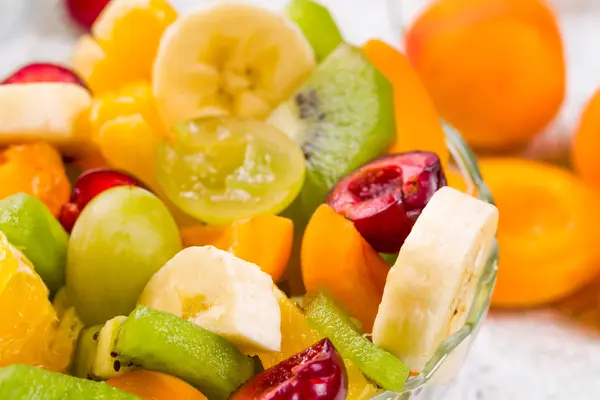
x=223 y=169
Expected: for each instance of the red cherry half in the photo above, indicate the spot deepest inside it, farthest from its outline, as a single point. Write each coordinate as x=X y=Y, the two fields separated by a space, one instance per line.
x=385 y=197
x=317 y=373
x=90 y=184
x=85 y=12
x=43 y=72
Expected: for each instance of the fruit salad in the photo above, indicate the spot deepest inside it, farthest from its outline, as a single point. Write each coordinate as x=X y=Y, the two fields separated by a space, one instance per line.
x=229 y=203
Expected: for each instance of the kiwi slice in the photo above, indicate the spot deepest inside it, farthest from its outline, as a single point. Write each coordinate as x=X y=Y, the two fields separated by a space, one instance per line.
x=164 y=342
x=317 y=25
x=382 y=367
x=106 y=363
x=85 y=354
x=342 y=117
x=21 y=382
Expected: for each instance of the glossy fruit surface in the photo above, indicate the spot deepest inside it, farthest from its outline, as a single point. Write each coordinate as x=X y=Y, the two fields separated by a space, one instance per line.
x=418 y=125
x=122 y=237
x=36 y=169
x=224 y=169
x=265 y=240
x=316 y=373
x=385 y=197
x=151 y=385
x=85 y=12
x=355 y=274
x=29 y=326
x=89 y=185
x=546 y=233
x=43 y=72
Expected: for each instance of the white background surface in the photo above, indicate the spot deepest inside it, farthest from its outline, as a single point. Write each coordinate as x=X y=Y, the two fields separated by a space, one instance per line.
x=535 y=356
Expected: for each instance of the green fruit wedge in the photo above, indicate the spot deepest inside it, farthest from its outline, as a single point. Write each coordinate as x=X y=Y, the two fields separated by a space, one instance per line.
x=342 y=117
x=20 y=382
x=107 y=364
x=122 y=237
x=85 y=354
x=161 y=341
x=317 y=25
x=30 y=226
x=382 y=367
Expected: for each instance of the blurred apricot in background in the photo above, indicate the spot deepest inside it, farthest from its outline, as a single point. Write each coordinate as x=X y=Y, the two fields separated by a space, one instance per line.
x=585 y=151
x=494 y=68
x=547 y=234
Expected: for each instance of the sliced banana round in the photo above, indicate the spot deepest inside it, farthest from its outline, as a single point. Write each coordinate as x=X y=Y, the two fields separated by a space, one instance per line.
x=432 y=285
x=219 y=292
x=48 y=111
x=228 y=59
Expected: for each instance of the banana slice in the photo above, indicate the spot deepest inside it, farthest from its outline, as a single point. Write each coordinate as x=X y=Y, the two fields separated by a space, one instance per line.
x=228 y=59
x=431 y=286
x=44 y=111
x=221 y=293
x=86 y=55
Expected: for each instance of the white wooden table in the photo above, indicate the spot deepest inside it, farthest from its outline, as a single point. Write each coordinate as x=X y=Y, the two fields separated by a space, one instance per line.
x=531 y=356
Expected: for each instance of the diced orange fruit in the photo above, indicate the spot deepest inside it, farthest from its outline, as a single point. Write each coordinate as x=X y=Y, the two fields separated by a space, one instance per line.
x=297 y=335
x=126 y=35
x=265 y=240
x=336 y=259
x=547 y=232
x=586 y=143
x=151 y=385
x=495 y=69
x=30 y=331
x=36 y=169
x=418 y=126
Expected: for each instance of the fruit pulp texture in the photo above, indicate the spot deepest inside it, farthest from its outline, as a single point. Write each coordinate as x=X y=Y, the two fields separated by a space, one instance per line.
x=297 y=335
x=29 y=325
x=265 y=240
x=163 y=342
x=337 y=129
x=29 y=225
x=418 y=126
x=20 y=382
x=122 y=237
x=385 y=197
x=36 y=169
x=382 y=367
x=224 y=169
x=546 y=251
x=347 y=268
x=316 y=373
x=152 y=385
x=129 y=39
x=503 y=67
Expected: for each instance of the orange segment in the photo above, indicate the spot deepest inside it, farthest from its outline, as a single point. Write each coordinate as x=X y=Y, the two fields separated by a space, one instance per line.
x=546 y=234
x=336 y=259
x=151 y=385
x=265 y=240
x=586 y=143
x=297 y=335
x=30 y=332
x=127 y=36
x=418 y=125
x=36 y=169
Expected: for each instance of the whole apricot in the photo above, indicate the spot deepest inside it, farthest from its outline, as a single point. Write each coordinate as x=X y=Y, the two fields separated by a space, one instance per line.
x=495 y=68
x=585 y=152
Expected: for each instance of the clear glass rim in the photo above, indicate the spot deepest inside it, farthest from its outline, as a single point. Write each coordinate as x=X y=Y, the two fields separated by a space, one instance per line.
x=466 y=161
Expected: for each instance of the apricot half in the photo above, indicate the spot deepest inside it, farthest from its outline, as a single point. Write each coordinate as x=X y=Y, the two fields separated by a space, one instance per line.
x=494 y=68
x=546 y=232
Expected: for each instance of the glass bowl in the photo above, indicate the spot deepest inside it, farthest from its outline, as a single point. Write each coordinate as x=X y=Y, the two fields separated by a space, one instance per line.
x=53 y=39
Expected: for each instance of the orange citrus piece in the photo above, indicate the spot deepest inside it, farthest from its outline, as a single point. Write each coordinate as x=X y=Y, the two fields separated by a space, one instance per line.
x=30 y=331
x=586 y=143
x=418 y=126
x=297 y=335
x=265 y=240
x=546 y=234
x=36 y=169
x=151 y=385
x=125 y=42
